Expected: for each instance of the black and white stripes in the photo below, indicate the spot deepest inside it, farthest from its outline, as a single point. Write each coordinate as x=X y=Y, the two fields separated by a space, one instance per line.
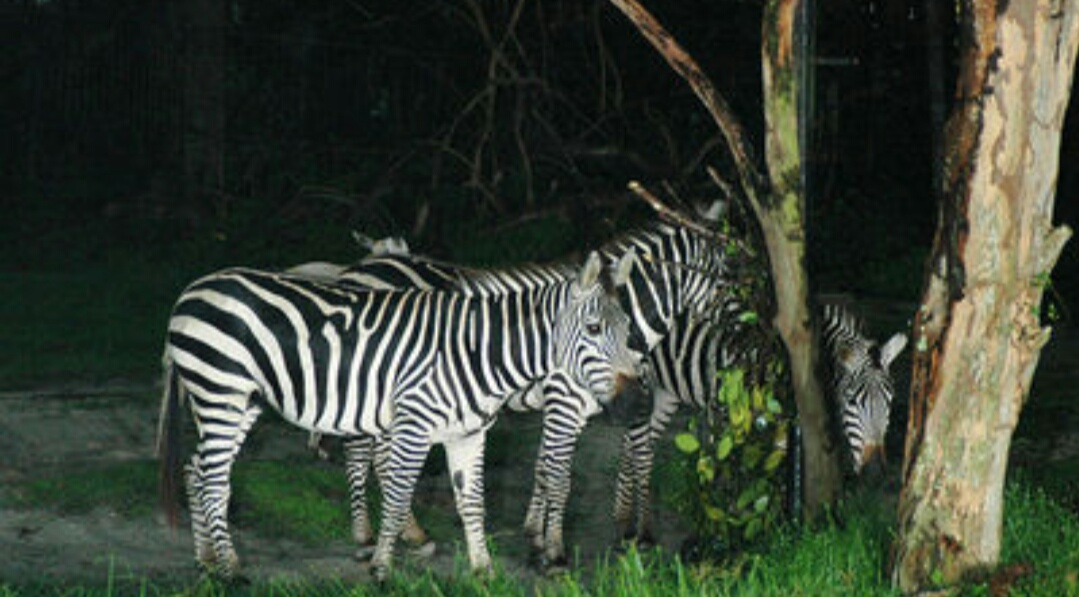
x=419 y=366
x=681 y=370
x=677 y=273
x=861 y=384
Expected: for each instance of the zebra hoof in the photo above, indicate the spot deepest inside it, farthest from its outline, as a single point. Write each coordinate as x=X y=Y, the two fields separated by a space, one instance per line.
x=380 y=573
x=220 y=577
x=555 y=566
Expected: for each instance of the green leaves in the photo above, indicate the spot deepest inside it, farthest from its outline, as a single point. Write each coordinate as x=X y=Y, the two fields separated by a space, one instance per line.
x=723 y=450
x=687 y=443
x=735 y=450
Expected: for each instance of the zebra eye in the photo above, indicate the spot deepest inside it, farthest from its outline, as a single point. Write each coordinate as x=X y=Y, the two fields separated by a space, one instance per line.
x=593 y=328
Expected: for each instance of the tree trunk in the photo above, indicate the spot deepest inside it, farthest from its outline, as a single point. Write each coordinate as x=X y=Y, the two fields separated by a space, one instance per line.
x=978 y=334
x=782 y=217
x=780 y=208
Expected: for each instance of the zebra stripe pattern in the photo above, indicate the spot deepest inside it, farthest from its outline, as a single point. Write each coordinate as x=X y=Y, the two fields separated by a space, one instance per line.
x=862 y=384
x=681 y=371
x=419 y=366
x=680 y=273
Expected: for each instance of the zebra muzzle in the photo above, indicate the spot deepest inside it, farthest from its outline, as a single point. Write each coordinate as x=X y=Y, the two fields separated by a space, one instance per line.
x=873 y=462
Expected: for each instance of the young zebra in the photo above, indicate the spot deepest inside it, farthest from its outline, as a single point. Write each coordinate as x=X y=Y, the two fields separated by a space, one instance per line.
x=681 y=371
x=418 y=366
x=682 y=273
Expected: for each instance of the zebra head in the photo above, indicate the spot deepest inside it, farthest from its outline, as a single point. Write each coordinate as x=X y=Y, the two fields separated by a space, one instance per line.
x=862 y=384
x=591 y=336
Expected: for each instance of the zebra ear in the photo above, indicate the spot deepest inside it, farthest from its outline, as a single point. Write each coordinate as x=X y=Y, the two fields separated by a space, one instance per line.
x=391 y=245
x=892 y=348
x=714 y=211
x=623 y=267
x=593 y=267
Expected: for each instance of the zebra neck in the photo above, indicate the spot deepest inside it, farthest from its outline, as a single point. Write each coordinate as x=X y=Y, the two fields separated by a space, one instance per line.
x=505 y=343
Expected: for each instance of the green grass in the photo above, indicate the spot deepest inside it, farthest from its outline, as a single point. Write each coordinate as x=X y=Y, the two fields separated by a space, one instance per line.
x=845 y=558
x=1039 y=532
x=128 y=488
x=86 y=325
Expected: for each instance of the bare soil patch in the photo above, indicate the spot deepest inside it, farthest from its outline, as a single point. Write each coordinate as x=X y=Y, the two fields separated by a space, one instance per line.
x=71 y=429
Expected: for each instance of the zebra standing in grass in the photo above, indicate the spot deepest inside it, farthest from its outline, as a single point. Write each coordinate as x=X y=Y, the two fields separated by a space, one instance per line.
x=681 y=371
x=684 y=273
x=419 y=366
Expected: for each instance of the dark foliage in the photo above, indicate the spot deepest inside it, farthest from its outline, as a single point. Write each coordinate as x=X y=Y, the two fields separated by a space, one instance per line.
x=264 y=131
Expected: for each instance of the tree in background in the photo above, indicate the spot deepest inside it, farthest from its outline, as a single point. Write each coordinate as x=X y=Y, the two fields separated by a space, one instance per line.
x=978 y=332
x=778 y=201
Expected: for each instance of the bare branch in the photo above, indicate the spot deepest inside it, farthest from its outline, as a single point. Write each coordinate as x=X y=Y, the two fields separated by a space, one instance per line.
x=673 y=215
x=682 y=63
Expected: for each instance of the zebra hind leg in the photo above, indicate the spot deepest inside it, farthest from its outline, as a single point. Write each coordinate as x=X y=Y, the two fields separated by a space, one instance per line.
x=205 y=556
x=408 y=450
x=414 y=535
x=223 y=431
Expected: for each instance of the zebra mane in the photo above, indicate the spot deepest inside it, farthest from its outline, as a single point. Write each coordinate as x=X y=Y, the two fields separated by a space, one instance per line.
x=511 y=278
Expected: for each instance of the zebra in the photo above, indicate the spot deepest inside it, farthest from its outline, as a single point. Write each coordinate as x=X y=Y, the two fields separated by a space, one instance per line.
x=685 y=276
x=862 y=385
x=418 y=366
x=681 y=371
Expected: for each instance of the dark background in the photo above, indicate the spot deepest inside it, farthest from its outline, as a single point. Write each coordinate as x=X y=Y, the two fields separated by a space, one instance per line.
x=197 y=134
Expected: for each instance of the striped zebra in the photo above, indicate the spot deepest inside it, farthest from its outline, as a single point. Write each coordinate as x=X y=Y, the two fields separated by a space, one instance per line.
x=861 y=385
x=683 y=275
x=681 y=371
x=418 y=366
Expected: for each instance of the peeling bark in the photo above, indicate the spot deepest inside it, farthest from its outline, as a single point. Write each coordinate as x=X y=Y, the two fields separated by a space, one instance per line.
x=978 y=334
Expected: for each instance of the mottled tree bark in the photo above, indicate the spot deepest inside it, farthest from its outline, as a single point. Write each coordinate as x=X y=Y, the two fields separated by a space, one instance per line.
x=779 y=204
x=978 y=334
x=781 y=214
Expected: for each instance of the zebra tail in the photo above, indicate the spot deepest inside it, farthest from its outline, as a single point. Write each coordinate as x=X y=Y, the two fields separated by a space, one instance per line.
x=168 y=445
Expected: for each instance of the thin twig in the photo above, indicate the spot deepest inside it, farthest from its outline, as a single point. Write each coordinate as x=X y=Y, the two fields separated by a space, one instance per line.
x=672 y=215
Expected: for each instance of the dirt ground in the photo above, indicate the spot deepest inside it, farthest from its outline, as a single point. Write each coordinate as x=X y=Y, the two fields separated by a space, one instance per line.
x=68 y=428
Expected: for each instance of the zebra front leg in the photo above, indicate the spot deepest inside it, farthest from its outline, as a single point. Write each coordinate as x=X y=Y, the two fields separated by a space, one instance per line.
x=625 y=489
x=558 y=461
x=464 y=455
x=413 y=534
x=633 y=494
x=537 y=505
x=643 y=459
x=409 y=446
